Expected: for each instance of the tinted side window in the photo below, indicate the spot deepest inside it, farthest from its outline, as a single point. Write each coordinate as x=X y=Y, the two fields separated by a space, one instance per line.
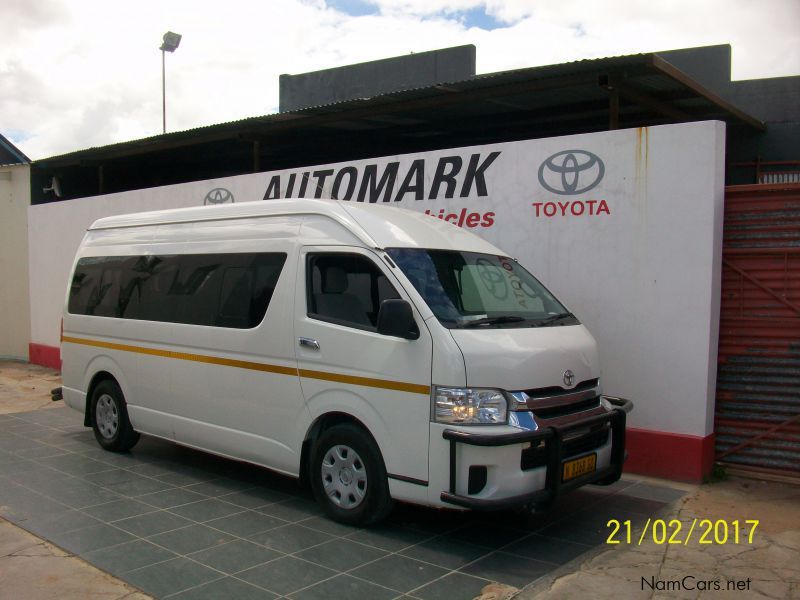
x=237 y=290
x=194 y=292
x=155 y=301
x=222 y=290
x=347 y=289
x=95 y=288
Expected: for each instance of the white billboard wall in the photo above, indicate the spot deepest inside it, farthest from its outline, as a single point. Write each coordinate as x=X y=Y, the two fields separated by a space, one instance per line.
x=624 y=226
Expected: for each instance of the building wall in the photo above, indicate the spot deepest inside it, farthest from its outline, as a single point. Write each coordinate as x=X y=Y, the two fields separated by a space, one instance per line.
x=637 y=256
x=368 y=79
x=777 y=102
x=14 y=306
x=773 y=100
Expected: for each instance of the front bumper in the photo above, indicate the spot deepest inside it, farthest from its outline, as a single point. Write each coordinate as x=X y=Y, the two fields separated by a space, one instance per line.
x=553 y=438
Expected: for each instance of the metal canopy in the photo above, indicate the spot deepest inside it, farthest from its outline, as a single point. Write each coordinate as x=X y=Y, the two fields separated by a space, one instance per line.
x=577 y=97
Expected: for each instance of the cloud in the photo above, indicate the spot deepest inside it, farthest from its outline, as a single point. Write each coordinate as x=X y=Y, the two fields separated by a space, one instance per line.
x=78 y=74
x=23 y=16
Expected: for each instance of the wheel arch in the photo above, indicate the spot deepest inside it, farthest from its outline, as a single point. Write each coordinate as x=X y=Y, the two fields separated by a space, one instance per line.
x=101 y=368
x=323 y=423
x=96 y=380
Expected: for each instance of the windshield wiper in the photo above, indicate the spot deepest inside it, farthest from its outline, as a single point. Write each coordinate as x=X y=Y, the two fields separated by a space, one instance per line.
x=554 y=318
x=493 y=321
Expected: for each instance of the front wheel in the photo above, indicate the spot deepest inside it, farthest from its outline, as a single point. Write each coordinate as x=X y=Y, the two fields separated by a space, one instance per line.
x=110 y=422
x=348 y=476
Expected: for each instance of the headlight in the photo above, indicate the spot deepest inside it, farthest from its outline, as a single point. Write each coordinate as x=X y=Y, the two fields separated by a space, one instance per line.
x=468 y=406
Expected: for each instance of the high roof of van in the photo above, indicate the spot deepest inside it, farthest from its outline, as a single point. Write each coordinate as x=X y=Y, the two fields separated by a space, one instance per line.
x=377 y=226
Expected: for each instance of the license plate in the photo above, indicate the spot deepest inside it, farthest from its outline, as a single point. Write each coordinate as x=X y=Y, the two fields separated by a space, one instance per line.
x=579 y=466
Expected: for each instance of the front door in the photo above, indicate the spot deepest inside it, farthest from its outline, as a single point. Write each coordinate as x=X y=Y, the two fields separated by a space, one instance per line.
x=346 y=366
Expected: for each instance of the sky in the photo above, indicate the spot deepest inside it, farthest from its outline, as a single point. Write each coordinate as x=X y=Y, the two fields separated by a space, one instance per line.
x=76 y=74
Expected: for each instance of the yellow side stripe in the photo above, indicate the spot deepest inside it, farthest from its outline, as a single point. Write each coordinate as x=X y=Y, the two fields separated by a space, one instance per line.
x=367 y=382
x=256 y=366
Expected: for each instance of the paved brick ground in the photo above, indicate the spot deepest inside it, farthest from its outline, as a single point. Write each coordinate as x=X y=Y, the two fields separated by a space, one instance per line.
x=183 y=524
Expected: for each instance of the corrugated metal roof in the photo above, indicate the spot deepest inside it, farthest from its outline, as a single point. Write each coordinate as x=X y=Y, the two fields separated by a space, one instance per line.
x=530 y=89
x=6 y=147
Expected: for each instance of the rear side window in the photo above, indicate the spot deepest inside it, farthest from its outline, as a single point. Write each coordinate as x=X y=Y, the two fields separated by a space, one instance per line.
x=217 y=290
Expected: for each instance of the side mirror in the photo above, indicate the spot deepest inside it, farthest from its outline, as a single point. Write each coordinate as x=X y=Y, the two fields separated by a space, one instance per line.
x=396 y=319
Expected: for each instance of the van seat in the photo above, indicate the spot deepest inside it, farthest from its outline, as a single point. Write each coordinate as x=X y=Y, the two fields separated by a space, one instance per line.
x=335 y=302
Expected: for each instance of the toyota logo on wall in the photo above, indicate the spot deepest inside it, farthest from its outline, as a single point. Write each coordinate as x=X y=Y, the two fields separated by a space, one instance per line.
x=218 y=196
x=571 y=172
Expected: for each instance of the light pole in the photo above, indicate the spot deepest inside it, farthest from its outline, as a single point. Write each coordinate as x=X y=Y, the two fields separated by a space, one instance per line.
x=171 y=42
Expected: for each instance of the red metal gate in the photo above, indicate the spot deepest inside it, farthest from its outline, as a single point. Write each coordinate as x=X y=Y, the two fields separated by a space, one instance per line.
x=758 y=381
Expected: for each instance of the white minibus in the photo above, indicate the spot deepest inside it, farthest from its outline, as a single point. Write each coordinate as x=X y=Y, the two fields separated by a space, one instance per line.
x=380 y=353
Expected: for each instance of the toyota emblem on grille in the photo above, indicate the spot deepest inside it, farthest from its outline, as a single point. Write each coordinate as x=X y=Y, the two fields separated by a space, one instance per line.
x=569 y=378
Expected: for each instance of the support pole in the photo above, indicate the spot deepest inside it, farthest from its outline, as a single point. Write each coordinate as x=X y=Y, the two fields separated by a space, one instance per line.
x=613 y=108
x=256 y=156
x=163 y=90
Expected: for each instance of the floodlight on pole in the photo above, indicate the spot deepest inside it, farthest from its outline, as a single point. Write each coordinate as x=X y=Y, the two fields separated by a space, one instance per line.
x=171 y=41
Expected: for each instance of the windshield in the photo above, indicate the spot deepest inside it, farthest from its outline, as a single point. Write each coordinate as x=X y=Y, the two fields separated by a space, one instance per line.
x=469 y=289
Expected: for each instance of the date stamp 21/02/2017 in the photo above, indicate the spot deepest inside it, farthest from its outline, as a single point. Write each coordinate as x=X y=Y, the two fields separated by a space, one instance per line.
x=676 y=532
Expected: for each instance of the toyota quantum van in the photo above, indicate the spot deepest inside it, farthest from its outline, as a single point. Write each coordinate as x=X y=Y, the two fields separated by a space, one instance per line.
x=379 y=353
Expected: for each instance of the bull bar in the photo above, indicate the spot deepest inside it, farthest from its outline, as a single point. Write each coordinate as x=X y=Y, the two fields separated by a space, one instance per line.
x=554 y=437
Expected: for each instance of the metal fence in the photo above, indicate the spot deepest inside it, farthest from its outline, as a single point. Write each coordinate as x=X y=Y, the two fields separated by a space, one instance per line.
x=758 y=380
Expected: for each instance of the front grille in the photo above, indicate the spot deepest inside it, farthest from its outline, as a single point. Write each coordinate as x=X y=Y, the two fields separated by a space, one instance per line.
x=555 y=391
x=536 y=456
x=553 y=402
x=552 y=412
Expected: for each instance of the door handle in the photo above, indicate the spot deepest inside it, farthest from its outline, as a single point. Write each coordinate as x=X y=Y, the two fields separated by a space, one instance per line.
x=309 y=343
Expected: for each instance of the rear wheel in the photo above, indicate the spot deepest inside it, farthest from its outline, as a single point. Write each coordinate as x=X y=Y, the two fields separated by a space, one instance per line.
x=109 y=415
x=348 y=476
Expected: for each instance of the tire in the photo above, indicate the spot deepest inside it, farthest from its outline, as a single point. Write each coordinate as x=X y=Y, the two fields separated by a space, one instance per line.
x=109 y=417
x=348 y=476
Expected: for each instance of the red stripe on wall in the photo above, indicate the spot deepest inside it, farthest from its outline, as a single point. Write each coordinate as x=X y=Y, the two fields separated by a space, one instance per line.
x=669 y=455
x=46 y=356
